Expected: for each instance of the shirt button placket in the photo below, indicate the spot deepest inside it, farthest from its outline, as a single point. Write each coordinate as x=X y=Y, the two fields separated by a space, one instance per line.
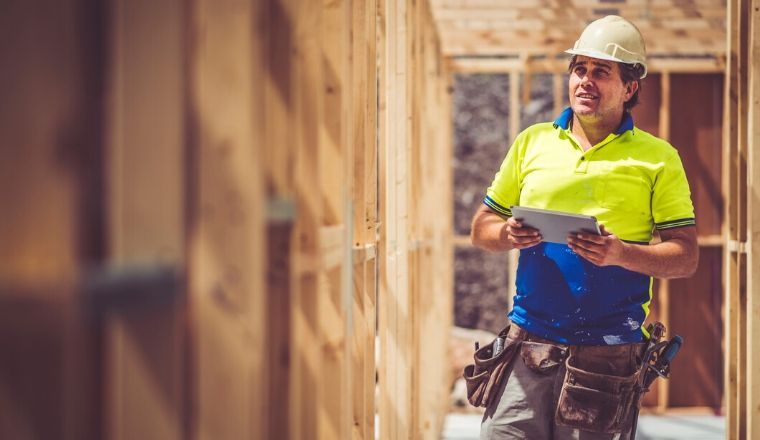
x=582 y=166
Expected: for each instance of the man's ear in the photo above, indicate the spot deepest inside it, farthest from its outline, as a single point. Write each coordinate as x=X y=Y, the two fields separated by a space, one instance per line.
x=631 y=88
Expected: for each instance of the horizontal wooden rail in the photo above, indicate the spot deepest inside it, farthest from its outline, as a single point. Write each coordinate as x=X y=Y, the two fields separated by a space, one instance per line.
x=365 y=253
x=133 y=286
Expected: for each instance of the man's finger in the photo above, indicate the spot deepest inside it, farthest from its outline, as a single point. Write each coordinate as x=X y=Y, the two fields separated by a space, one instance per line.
x=598 y=239
x=589 y=256
x=523 y=232
x=514 y=222
x=585 y=246
x=524 y=239
x=526 y=245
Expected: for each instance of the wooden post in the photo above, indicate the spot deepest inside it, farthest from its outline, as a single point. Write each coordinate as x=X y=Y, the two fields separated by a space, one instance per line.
x=735 y=227
x=305 y=119
x=395 y=338
x=146 y=209
x=335 y=172
x=663 y=299
x=513 y=256
x=560 y=90
x=363 y=111
x=753 y=221
x=227 y=314
x=277 y=34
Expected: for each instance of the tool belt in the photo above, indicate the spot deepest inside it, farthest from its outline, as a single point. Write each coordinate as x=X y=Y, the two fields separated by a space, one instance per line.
x=602 y=387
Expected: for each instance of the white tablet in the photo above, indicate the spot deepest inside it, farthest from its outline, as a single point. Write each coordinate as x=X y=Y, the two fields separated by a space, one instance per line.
x=555 y=226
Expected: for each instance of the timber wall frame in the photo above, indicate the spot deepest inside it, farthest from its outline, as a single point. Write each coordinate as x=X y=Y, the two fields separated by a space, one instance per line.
x=300 y=199
x=360 y=90
x=282 y=168
x=255 y=201
x=355 y=257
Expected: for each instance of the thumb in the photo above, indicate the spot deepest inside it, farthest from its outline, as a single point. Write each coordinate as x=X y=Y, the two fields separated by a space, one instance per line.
x=604 y=230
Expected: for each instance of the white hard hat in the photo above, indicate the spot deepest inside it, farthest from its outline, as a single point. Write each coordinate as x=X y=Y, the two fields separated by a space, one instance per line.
x=612 y=38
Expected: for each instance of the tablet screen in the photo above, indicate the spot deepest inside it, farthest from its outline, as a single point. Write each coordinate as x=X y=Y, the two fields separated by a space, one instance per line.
x=555 y=226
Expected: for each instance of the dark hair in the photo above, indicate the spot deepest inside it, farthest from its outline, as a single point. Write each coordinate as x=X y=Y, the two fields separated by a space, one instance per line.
x=628 y=73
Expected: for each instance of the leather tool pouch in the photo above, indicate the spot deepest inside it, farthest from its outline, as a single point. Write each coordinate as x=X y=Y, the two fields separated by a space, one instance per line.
x=542 y=358
x=594 y=401
x=485 y=375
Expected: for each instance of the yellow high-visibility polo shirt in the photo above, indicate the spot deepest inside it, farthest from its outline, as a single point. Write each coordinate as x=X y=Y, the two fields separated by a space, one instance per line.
x=631 y=182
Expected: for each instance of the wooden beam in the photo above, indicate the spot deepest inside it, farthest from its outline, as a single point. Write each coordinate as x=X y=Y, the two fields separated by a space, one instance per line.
x=506 y=19
x=552 y=65
x=687 y=65
x=532 y=4
x=493 y=42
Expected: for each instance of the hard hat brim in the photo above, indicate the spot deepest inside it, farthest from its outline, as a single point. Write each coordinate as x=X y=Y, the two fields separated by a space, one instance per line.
x=601 y=56
x=594 y=54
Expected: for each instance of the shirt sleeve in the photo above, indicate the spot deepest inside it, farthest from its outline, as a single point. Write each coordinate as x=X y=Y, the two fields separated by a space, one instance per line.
x=671 y=197
x=505 y=188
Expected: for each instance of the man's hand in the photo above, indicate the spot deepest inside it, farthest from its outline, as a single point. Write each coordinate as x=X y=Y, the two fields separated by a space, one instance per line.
x=491 y=232
x=519 y=236
x=603 y=250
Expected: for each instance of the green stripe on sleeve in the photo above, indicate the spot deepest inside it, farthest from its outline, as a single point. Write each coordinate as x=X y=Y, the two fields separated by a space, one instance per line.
x=496 y=207
x=676 y=223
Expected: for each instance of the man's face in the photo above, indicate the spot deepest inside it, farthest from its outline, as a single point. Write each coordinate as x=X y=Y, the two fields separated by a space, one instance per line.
x=596 y=90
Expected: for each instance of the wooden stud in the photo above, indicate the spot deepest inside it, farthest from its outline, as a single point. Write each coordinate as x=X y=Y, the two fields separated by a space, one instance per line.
x=306 y=118
x=265 y=361
x=663 y=300
x=729 y=189
x=394 y=382
x=363 y=111
x=276 y=34
x=559 y=89
x=224 y=309
x=753 y=221
x=145 y=212
x=513 y=256
x=735 y=186
x=335 y=171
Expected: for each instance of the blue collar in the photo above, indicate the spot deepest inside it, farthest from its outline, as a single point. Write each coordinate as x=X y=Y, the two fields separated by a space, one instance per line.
x=566 y=116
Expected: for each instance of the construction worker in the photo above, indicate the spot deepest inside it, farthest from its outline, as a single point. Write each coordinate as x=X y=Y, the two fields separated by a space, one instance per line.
x=581 y=305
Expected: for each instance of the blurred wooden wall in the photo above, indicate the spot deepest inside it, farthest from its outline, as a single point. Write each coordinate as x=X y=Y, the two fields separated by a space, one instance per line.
x=215 y=211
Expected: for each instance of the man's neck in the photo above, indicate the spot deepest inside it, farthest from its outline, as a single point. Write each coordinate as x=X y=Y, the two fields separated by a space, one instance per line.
x=591 y=132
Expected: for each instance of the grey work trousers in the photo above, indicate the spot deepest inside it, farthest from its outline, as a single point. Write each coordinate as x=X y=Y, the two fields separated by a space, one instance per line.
x=525 y=405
